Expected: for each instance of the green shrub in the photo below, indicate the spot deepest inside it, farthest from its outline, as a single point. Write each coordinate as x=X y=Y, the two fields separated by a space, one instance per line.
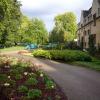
x=64 y=55
x=22 y=89
x=70 y=55
x=31 y=81
x=34 y=93
x=50 y=84
x=32 y=75
x=14 y=71
x=18 y=76
x=41 y=53
x=3 y=78
x=12 y=83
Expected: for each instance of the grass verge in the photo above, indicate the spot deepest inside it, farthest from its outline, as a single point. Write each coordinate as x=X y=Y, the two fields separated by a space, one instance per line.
x=15 y=48
x=95 y=64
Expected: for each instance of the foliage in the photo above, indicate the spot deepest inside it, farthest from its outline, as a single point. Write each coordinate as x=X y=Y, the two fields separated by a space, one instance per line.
x=64 y=55
x=22 y=89
x=95 y=65
x=32 y=81
x=33 y=31
x=3 y=78
x=18 y=76
x=34 y=93
x=65 y=28
x=70 y=55
x=16 y=28
x=92 y=48
x=50 y=84
x=41 y=53
x=9 y=22
x=72 y=45
x=13 y=87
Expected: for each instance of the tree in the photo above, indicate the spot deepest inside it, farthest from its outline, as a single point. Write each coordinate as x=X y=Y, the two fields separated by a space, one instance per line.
x=65 y=26
x=36 y=32
x=9 y=21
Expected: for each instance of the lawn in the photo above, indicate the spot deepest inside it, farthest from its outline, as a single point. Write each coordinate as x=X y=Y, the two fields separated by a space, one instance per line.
x=95 y=64
x=15 y=48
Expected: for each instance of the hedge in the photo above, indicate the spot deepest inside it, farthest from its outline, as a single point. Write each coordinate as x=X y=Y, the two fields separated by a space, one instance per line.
x=64 y=55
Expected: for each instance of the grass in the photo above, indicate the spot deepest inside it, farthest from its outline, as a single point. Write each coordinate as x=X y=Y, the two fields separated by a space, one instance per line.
x=15 y=48
x=95 y=64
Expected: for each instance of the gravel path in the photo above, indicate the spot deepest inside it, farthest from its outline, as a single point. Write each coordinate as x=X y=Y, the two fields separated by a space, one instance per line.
x=78 y=83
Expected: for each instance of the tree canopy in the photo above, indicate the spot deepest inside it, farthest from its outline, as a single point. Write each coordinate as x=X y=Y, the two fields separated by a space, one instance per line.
x=33 y=31
x=9 y=21
x=16 y=28
x=65 y=28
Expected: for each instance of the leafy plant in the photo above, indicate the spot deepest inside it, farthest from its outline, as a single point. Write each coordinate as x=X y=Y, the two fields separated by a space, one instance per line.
x=3 y=78
x=50 y=84
x=22 y=89
x=12 y=83
x=32 y=75
x=42 y=53
x=31 y=81
x=18 y=76
x=34 y=93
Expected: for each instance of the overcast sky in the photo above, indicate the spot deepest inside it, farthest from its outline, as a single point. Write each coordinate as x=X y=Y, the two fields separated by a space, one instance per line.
x=47 y=9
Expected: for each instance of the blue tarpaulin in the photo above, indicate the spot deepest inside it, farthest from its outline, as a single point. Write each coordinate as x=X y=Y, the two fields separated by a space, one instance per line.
x=31 y=46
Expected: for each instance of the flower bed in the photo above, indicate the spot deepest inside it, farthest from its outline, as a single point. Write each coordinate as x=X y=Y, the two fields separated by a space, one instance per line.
x=22 y=81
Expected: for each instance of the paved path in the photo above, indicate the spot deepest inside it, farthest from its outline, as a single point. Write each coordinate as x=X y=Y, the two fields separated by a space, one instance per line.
x=78 y=83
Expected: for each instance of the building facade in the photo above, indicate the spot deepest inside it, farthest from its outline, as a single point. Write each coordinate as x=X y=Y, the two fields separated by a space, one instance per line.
x=89 y=25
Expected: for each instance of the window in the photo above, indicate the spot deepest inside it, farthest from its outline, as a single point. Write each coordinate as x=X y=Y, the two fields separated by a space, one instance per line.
x=94 y=19
x=89 y=32
x=84 y=33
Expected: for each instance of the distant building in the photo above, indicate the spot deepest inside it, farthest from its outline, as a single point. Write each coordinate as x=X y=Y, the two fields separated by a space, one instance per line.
x=89 y=25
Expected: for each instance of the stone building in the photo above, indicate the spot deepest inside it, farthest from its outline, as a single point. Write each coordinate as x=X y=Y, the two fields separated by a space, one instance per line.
x=89 y=25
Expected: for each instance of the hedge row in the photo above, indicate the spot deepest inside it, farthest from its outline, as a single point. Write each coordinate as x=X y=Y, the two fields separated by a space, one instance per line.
x=64 y=55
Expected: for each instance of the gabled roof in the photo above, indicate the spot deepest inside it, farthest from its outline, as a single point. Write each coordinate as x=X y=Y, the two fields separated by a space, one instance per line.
x=86 y=12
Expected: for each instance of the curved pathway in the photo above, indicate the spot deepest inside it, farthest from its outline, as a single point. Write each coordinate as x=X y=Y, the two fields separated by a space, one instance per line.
x=78 y=83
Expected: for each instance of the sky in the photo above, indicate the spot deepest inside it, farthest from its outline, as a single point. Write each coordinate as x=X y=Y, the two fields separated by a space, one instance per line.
x=48 y=9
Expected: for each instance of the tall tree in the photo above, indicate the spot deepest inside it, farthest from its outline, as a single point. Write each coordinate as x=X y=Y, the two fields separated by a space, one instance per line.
x=9 y=21
x=65 y=26
x=36 y=32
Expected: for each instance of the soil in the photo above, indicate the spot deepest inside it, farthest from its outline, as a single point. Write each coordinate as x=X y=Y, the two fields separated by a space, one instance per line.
x=12 y=93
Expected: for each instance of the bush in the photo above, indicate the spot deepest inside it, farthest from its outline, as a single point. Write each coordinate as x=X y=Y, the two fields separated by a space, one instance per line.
x=22 y=89
x=31 y=81
x=41 y=53
x=64 y=55
x=72 y=45
x=34 y=93
x=70 y=55
x=18 y=76
x=50 y=84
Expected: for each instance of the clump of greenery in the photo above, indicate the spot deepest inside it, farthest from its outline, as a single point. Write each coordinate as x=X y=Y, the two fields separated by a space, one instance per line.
x=92 y=48
x=42 y=53
x=23 y=89
x=32 y=81
x=18 y=76
x=32 y=75
x=64 y=55
x=12 y=83
x=14 y=71
x=70 y=55
x=50 y=84
x=34 y=93
x=3 y=78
